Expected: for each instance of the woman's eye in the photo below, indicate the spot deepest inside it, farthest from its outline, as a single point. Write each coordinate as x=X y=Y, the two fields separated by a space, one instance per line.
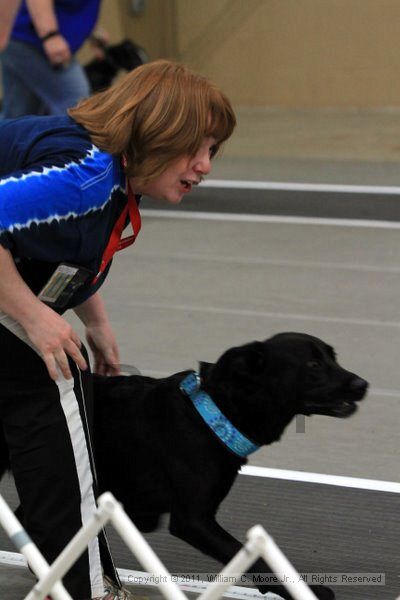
x=213 y=150
x=312 y=364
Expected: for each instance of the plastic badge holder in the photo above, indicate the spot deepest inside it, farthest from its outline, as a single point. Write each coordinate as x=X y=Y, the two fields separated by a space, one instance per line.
x=63 y=284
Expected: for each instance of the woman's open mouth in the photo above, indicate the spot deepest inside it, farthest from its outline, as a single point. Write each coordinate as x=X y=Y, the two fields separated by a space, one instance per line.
x=188 y=184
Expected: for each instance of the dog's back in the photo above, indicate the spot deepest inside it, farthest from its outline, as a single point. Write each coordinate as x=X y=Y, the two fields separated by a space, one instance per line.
x=146 y=435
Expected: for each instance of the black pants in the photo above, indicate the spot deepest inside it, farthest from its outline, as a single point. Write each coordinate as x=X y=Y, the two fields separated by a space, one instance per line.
x=46 y=429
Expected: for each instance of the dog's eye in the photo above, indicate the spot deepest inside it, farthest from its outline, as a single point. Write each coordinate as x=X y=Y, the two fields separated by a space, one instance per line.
x=312 y=364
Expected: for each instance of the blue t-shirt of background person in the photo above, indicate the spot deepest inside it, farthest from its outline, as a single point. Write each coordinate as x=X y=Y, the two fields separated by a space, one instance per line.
x=76 y=20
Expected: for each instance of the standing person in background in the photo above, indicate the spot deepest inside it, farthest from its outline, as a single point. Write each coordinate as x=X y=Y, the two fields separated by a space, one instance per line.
x=69 y=185
x=40 y=73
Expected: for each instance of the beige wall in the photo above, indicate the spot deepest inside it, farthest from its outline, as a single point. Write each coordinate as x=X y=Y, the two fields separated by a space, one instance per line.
x=153 y=29
x=288 y=53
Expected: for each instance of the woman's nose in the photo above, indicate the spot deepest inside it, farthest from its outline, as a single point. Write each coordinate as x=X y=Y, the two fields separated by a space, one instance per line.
x=202 y=163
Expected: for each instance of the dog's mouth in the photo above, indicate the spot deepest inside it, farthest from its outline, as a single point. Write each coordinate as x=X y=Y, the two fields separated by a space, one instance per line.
x=341 y=407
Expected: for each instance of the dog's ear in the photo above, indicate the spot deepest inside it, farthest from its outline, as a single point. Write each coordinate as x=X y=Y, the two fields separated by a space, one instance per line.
x=250 y=360
x=204 y=368
x=241 y=363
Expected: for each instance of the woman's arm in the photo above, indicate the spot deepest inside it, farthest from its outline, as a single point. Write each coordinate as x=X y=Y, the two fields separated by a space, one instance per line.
x=99 y=335
x=8 y=10
x=45 y=21
x=53 y=337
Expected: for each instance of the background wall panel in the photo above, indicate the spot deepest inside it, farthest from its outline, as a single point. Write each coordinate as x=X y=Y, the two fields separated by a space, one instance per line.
x=286 y=53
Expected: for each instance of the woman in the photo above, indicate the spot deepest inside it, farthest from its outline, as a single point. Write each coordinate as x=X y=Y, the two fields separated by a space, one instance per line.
x=69 y=186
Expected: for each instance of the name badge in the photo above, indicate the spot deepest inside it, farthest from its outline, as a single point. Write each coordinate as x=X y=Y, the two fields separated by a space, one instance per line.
x=63 y=284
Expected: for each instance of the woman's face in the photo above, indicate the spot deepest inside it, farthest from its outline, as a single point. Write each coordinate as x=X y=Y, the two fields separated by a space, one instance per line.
x=179 y=178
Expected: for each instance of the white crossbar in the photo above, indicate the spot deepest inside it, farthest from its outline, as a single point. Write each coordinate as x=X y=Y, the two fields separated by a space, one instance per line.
x=108 y=510
x=280 y=564
x=24 y=544
x=259 y=543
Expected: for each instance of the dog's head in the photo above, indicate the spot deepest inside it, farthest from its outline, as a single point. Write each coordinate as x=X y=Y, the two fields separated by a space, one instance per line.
x=323 y=386
x=127 y=55
x=265 y=384
x=102 y=71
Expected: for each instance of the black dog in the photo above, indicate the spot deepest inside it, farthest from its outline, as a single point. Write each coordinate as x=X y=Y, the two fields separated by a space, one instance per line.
x=126 y=56
x=157 y=454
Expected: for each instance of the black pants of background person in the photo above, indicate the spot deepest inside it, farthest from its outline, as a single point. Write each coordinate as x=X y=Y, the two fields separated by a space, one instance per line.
x=46 y=428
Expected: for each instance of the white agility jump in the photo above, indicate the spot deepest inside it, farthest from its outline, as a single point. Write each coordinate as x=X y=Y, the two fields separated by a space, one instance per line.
x=259 y=544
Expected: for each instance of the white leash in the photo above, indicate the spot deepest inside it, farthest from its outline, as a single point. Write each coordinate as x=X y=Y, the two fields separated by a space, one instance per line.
x=16 y=328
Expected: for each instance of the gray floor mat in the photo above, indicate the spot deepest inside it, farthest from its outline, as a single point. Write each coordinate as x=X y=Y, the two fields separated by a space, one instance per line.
x=322 y=529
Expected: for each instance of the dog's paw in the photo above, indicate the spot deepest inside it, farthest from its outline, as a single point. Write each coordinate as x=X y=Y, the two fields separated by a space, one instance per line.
x=322 y=592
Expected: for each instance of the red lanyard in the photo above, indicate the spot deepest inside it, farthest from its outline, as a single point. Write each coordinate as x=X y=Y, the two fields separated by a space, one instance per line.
x=115 y=243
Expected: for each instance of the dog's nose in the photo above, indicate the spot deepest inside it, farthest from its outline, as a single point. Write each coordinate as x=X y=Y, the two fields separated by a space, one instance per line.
x=359 y=385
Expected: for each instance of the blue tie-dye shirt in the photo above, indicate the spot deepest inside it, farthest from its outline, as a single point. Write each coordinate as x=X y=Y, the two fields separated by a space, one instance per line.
x=59 y=198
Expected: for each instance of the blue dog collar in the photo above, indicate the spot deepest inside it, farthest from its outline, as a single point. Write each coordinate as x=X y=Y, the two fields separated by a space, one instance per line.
x=209 y=411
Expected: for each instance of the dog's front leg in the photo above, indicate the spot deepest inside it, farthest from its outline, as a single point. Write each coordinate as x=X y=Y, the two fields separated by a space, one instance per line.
x=205 y=534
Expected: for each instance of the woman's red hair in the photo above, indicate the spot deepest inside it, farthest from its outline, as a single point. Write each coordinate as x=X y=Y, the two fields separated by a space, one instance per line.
x=156 y=114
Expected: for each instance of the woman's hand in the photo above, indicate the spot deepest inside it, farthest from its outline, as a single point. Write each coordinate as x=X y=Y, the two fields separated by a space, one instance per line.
x=51 y=335
x=99 y=335
x=55 y=340
x=57 y=50
x=103 y=344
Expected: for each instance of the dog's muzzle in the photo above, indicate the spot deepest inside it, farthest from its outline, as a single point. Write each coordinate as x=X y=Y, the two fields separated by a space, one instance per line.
x=342 y=403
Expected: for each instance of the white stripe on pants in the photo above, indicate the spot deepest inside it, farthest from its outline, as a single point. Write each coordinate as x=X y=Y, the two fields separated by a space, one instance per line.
x=70 y=407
